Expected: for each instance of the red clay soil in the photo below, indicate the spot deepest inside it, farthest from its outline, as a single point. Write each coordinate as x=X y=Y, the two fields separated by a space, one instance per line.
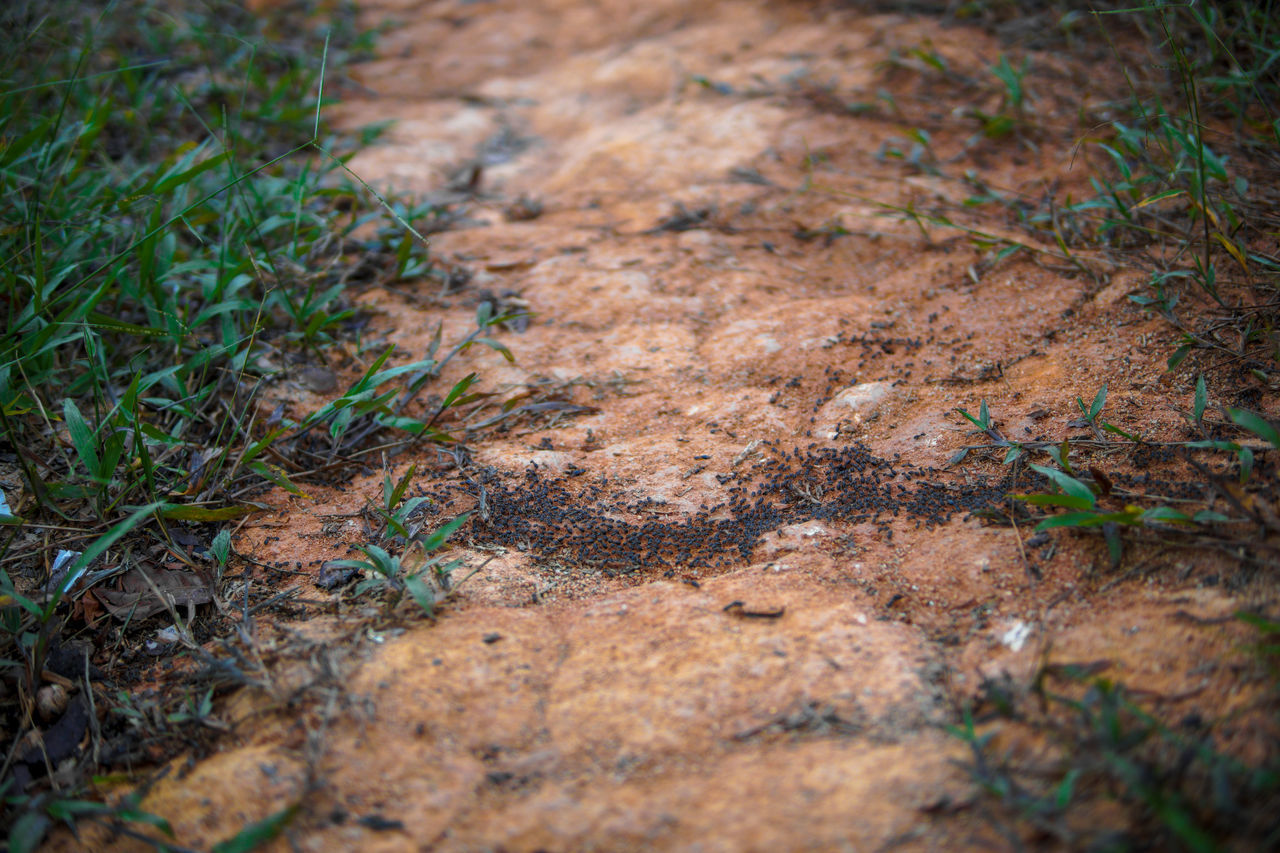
x=712 y=271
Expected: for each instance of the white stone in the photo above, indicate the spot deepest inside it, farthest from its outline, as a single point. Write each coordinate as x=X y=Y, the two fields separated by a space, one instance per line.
x=854 y=404
x=859 y=399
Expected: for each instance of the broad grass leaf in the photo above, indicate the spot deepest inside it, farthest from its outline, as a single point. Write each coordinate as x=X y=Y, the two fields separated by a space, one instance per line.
x=435 y=540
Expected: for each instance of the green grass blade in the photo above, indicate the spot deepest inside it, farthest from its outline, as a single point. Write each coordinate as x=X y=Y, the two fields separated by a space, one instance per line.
x=1255 y=424
x=82 y=438
x=435 y=540
x=256 y=834
x=94 y=551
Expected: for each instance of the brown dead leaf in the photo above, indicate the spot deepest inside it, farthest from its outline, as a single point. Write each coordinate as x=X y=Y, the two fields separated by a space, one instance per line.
x=180 y=588
x=86 y=608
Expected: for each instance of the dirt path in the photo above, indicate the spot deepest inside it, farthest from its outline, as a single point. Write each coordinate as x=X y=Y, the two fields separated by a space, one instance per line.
x=711 y=272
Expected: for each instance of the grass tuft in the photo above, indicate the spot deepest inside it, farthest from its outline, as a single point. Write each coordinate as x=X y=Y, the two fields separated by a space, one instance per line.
x=1183 y=177
x=180 y=233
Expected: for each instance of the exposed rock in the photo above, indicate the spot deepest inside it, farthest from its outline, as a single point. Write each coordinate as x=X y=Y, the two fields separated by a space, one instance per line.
x=851 y=408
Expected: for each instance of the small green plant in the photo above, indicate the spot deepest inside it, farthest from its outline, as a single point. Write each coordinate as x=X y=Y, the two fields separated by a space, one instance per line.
x=1093 y=503
x=395 y=510
x=996 y=247
x=920 y=155
x=1015 y=93
x=1095 y=408
x=1013 y=450
x=1042 y=809
x=196 y=710
x=1013 y=99
x=366 y=399
x=927 y=54
x=1171 y=788
x=1082 y=500
x=40 y=813
x=982 y=421
x=1091 y=413
x=1256 y=424
x=1164 y=299
x=415 y=571
x=220 y=550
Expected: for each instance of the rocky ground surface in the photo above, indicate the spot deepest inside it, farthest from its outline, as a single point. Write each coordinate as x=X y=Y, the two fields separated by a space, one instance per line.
x=733 y=589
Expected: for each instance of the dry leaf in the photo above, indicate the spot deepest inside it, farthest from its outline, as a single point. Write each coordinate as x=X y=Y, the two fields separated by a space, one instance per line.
x=180 y=587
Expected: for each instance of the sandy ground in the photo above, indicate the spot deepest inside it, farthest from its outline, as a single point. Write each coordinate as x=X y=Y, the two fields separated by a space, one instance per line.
x=712 y=268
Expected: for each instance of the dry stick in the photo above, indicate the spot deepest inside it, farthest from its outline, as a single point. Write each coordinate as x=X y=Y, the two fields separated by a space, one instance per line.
x=269 y=567
x=77 y=532
x=13 y=748
x=95 y=728
x=66 y=457
x=80 y=534
x=37 y=485
x=337 y=463
x=1093 y=443
x=287 y=594
x=251 y=643
x=1231 y=547
x=245 y=431
x=315 y=746
x=439 y=368
x=1138 y=569
x=1265 y=523
x=1026 y=563
x=353 y=457
x=155 y=843
x=184 y=631
x=556 y=406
